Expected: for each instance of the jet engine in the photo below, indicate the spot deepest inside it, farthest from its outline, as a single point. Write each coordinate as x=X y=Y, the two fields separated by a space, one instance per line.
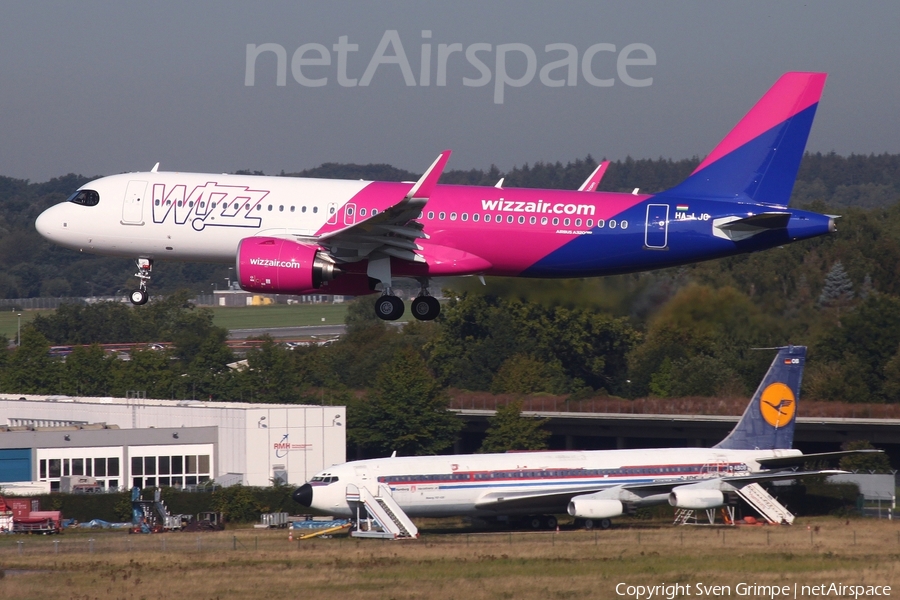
x=585 y=507
x=279 y=266
x=683 y=497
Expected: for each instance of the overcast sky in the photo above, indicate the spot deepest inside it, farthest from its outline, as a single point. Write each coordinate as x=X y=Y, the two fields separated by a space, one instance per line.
x=101 y=87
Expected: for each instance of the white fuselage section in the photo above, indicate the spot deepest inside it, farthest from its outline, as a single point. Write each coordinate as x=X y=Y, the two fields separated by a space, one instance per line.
x=159 y=214
x=459 y=485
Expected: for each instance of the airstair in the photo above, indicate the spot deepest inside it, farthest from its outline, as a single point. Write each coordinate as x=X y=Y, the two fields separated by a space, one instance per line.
x=767 y=506
x=379 y=516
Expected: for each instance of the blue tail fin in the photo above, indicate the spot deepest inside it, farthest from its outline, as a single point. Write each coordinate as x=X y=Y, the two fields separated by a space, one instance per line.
x=759 y=159
x=768 y=422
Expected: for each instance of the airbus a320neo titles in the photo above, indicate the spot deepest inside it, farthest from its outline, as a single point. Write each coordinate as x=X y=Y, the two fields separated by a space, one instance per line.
x=592 y=486
x=291 y=235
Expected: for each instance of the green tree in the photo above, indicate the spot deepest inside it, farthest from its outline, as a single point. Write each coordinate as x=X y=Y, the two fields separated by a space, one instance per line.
x=270 y=375
x=864 y=463
x=509 y=430
x=88 y=371
x=31 y=369
x=861 y=347
x=700 y=343
x=406 y=411
x=522 y=374
x=237 y=503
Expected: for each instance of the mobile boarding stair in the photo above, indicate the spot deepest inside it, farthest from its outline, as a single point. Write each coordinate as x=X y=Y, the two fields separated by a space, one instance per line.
x=379 y=516
x=753 y=494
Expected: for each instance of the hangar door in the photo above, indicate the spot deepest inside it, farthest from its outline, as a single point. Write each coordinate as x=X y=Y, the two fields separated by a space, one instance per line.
x=15 y=465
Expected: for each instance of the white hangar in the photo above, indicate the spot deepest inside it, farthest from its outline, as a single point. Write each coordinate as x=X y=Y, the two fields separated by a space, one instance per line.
x=126 y=442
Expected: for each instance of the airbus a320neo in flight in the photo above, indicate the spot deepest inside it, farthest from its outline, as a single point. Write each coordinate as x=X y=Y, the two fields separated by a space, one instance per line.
x=290 y=235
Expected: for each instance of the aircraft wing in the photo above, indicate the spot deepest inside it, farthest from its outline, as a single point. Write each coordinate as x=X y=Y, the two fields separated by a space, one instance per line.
x=651 y=492
x=554 y=501
x=393 y=231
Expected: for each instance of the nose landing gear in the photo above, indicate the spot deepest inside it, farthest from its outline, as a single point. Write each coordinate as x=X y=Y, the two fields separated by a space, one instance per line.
x=140 y=295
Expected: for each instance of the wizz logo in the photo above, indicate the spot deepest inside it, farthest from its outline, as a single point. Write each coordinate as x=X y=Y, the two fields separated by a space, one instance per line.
x=208 y=205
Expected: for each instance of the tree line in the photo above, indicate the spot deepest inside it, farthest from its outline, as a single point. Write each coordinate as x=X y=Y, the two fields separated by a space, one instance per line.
x=31 y=267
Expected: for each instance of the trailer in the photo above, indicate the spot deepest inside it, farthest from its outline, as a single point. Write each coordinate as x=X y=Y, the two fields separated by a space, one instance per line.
x=23 y=515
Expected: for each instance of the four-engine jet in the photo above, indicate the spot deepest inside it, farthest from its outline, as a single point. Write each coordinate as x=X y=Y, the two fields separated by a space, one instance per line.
x=592 y=486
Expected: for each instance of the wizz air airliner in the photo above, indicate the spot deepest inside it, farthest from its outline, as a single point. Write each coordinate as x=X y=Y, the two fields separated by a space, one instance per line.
x=296 y=235
x=592 y=486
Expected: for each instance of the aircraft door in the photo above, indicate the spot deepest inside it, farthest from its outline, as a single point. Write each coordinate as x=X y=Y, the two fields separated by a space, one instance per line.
x=656 y=234
x=133 y=206
x=349 y=213
x=332 y=213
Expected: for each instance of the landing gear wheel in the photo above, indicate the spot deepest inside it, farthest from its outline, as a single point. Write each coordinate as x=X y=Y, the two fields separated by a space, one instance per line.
x=389 y=308
x=139 y=297
x=550 y=522
x=588 y=524
x=605 y=523
x=535 y=522
x=426 y=308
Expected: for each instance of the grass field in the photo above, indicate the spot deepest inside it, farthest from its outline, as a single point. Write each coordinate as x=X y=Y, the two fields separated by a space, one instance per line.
x=573 y=564
x=279 y=315
x=9 y=321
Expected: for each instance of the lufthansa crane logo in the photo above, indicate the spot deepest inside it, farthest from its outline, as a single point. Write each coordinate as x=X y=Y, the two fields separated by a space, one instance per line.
x=777 y=404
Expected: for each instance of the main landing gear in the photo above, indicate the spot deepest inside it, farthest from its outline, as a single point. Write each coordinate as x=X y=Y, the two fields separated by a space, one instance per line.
x=140 y=295
x=424 y=308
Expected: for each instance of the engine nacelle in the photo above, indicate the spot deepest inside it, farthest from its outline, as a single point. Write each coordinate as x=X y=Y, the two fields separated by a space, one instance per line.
x=585 y=507
x=696 y=499
x=278 y=266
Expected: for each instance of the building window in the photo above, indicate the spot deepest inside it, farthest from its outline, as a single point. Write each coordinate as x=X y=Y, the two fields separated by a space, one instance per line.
x=113 y=484
x=77 y=466
x=43 y=469
x=99 y=467
x=65 y=467
x=177 y=465
x=137 y=482
x=203 y=466
x=164 y=465
x=55 y=468
x=165 y=482
x=190 y=480
x=190 y=464
x=113 y=467
x=137 y=465
x=177 y=481
x=149 y=465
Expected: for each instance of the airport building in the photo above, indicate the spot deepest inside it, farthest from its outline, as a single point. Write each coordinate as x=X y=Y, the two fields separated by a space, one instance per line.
x=122 y=443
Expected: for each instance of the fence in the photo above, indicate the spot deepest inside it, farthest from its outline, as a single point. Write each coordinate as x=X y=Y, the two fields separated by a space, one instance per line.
x=835 y=535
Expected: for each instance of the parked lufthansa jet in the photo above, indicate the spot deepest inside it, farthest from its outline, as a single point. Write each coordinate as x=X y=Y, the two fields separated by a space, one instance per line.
x=295 y=236
x=592 y=486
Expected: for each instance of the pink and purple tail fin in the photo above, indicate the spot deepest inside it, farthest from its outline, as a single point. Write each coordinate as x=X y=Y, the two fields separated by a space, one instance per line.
x=758 y=160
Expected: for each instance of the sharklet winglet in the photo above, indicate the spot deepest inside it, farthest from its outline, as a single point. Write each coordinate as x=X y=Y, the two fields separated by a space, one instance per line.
x=425 y=185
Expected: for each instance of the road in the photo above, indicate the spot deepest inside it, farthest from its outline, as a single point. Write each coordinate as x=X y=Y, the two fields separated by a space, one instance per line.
x=288 y=332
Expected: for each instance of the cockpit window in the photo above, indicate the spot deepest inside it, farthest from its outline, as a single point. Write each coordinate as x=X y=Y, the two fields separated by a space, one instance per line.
x=324 y=479
x=85 y=198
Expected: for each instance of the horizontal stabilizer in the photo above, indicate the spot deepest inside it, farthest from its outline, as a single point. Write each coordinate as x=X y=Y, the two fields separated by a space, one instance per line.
x=737 y=229
x=798 y=461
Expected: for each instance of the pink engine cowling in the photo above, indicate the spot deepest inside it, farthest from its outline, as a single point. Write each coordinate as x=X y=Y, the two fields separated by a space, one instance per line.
x=278 y=266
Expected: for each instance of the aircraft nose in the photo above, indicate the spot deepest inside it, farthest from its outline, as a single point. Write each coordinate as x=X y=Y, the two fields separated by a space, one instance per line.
x=42 y=223
x=303 y=495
